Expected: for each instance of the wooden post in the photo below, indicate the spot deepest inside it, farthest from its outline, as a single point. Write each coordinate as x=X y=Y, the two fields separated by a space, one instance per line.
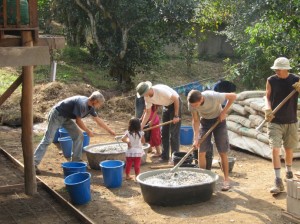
x=27 y=120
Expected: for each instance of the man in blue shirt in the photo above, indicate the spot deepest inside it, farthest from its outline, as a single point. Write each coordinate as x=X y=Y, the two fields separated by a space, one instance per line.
x=63 y=114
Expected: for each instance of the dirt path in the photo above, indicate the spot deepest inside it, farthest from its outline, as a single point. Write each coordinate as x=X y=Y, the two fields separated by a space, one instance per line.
x=249 y=201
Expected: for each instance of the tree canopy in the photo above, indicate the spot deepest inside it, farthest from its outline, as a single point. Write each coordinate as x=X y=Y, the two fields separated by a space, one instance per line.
x=262 y=31
x=125 y=34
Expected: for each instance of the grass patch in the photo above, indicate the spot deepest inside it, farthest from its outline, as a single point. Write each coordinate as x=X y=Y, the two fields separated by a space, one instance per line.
x=7 y=77
x=74 y=66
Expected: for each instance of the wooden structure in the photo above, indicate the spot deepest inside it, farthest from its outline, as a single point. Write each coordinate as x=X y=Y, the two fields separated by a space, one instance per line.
x=21 y=45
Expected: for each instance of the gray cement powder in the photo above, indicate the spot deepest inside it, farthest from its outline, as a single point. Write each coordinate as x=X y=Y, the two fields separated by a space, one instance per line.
x=179 y=178
x=109 y=149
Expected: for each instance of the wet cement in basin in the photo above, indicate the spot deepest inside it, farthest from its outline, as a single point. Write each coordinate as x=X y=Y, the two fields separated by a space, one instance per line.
x=185 y=186
x=109 y=151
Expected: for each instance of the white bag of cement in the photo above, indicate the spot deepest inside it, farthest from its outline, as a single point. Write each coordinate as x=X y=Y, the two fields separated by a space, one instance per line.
x=250 y=94
x=239 y=109
x=241 y=120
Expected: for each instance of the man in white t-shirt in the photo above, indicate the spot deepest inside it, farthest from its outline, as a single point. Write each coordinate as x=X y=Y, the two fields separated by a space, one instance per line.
x=167 y=97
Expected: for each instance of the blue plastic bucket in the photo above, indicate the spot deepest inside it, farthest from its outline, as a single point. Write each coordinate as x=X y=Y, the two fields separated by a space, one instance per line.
x=66 y=145
x=186 y=135
x=86 y=140
x=63 y=133
x=56 y=136
x=73 y=167
x=112 y=171
x=79 y=187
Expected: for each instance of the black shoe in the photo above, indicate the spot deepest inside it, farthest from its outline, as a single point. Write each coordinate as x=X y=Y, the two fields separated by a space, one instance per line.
x=289 y=175
x=37 y=171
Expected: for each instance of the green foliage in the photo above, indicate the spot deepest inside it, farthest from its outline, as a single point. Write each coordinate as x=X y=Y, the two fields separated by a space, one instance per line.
x=74 y=65
x=261 y=31
x=7 y=77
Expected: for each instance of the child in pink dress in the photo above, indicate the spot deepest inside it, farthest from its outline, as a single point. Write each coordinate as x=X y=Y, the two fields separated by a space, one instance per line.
x=155 y=135
x=134 y=138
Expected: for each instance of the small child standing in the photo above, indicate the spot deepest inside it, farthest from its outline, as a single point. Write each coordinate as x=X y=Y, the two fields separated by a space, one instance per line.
x=155 y=135
x=134 y=137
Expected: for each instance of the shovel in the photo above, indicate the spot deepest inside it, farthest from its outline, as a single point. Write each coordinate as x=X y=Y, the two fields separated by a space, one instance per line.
x=192 y=149
x=159 y=125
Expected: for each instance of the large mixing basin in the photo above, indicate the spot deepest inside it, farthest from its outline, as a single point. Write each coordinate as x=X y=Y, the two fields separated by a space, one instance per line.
x=96 y=153
x=177 y=195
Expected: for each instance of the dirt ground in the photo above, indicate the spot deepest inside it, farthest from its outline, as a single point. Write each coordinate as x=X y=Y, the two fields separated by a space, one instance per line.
x=249 y=200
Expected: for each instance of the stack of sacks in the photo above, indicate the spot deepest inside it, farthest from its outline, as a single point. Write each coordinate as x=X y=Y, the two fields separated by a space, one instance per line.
x=245 y=115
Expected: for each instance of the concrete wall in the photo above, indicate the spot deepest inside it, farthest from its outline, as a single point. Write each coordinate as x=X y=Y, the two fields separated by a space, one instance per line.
x=213 y=46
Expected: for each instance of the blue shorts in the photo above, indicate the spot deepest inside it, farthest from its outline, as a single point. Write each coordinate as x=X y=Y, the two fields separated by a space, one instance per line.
x=220 y=135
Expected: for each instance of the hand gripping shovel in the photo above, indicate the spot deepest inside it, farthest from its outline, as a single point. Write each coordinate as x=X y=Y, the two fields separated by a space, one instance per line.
x=192 y=149
x=277 y=108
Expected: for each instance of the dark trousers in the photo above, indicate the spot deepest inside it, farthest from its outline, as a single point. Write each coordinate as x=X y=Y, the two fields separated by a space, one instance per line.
x=209 y=158
x=170 y=133
x=139 y=107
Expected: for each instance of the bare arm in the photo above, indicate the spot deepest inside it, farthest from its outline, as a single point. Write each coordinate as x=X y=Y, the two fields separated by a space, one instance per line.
x=196 y=126
x=230 y=97
x=176 y=108
x=268 y=94
x=143 y=140
x=82 y=126
x=146 y=118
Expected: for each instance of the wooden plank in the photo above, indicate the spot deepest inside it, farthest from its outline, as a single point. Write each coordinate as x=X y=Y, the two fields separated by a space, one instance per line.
x=27 y=119
x=10 y=90
x=24 y=56
x=11 y=188
x=291 y=217
x=53 y=42
x=33 y=13
x=80 y=215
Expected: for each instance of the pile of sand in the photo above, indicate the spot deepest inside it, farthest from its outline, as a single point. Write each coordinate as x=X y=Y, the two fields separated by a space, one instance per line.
x=45 y=96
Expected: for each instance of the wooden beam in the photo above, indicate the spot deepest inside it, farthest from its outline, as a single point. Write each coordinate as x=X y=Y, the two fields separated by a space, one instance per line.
x=57 y=196
x=11 y=188
x=27 y=120
x=10 y=90
x=53 y=42
x=24 y=56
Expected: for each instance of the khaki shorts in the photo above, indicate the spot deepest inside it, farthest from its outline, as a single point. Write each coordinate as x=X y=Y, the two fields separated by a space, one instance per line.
x=283 y=134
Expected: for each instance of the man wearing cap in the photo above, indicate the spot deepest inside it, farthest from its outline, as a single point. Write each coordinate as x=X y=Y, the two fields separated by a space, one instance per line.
x=282 y=126
x=168 y=98
x=68 y=113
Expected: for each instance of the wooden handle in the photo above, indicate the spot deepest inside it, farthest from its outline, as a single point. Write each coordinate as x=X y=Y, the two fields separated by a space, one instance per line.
x=192 y=149
x=156 y=126
x=277 y=108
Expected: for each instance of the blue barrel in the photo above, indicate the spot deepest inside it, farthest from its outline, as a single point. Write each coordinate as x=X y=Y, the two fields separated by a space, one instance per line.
x=63 y=132
x=86 y=140
x=56 y=136
x=186 y=135
x=79 y=187
x=73 y=167
x=112 y=171
x=66 y=145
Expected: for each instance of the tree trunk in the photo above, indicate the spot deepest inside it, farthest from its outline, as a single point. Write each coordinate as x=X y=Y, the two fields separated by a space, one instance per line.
x=123 y=75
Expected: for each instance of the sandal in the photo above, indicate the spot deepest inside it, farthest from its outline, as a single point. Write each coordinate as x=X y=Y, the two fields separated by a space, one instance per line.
x=129 y=178
x=225 y=186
